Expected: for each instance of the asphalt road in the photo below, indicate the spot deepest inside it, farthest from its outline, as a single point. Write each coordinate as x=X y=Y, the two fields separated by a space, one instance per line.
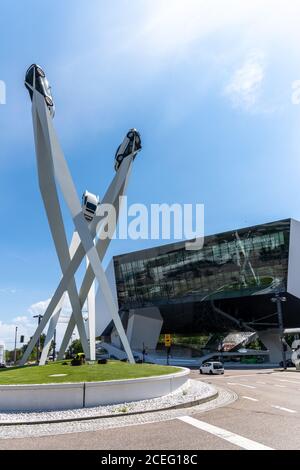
x=266 y=415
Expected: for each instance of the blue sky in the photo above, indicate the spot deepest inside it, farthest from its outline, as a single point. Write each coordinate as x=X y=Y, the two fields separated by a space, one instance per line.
x=208 y=86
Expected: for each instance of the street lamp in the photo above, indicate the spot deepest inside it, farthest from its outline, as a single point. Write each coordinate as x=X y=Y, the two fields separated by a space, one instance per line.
x=278 y=299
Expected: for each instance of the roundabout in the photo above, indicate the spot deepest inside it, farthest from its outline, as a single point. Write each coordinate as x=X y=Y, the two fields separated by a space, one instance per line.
x=253 y=410
x=61 y=386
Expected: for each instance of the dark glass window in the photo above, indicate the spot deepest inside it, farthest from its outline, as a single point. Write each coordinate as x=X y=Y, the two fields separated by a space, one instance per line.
x=240 y=263
x=91 y=206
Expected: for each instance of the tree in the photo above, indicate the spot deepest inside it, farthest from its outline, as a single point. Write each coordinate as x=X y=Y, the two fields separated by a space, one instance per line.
x=10 y=355
x=33 y=355
x=74 y=348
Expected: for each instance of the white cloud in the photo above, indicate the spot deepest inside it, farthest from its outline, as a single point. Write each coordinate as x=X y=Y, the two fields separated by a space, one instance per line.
x=25 y=326
x=7 y=332
x=8 y=290
x=39 y=308
x=21 y=319
x=199 y=38
x=123 y=53
x=245 y=86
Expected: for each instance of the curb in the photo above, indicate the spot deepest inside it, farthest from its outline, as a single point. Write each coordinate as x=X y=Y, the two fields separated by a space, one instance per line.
x=187 y=404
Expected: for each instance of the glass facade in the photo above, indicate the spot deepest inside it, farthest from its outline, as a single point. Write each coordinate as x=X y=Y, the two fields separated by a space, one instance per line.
x=241 y=263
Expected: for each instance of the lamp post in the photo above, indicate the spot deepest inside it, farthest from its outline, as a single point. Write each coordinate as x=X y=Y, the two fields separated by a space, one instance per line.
x=278 y=299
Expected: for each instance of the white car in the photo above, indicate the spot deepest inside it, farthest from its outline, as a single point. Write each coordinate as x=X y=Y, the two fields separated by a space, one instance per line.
x=211 y=368
x=89 y=205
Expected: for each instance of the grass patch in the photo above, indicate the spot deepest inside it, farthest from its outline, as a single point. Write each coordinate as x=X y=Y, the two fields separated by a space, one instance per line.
x=113 y=370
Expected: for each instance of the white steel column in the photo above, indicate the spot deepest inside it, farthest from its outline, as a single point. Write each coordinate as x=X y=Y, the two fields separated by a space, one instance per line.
x=55 y=317
x=51 y=202
x=91 y=307
x=101 y=246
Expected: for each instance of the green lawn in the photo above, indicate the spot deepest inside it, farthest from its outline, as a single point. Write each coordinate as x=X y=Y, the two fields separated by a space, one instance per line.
x=113 y=370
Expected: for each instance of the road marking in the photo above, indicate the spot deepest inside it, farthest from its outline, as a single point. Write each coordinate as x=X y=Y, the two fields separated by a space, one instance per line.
x=281 y=386
x=241 y=385
x=263 y=383
x=250 y=398
x=290 y=381
x=237 y=375
x=229 y=436
x=283 y=409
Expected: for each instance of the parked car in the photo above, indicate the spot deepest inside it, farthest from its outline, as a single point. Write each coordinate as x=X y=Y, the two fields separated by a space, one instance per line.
x=211 y=368
x=35 y=78
x=2 y=366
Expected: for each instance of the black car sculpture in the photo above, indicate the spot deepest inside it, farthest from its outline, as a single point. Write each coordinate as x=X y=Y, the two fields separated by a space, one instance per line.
x=35 y=78
x=131 y=144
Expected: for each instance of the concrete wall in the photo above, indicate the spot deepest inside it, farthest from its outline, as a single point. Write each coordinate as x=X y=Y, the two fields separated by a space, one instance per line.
x=120 y=391
x=270 y=338
x=77 y=395
x=41 y=397
x=144 y=326
x=103 y=316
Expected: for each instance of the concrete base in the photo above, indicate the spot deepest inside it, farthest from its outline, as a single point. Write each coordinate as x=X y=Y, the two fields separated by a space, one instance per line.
x=270 y=338
x=192 y=393
x=79 y=395
x=144 y=327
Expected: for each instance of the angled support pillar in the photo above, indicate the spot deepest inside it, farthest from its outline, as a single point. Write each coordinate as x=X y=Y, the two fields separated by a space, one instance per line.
x=91 y=307
x=116 y=190
x=51 y=202
x=70 y=195
x=55 y=317
x=49 y=336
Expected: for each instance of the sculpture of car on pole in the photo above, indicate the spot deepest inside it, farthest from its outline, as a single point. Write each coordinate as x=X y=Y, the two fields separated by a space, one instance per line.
x=87 y=242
